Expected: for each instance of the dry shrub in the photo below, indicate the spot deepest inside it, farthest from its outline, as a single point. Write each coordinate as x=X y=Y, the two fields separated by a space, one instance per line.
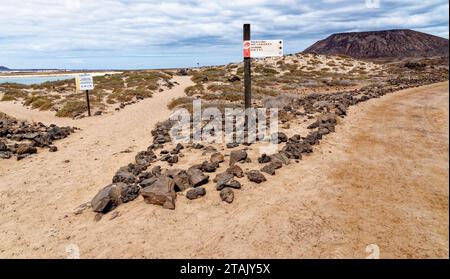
x=72 y=108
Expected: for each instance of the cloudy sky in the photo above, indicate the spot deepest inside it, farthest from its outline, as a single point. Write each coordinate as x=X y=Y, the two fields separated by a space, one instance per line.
x=136 y=34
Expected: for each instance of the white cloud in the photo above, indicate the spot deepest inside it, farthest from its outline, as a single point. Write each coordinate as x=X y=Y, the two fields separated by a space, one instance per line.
x=45 y=27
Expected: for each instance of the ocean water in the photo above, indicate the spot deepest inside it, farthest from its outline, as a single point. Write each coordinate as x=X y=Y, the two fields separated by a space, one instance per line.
x=34 y=80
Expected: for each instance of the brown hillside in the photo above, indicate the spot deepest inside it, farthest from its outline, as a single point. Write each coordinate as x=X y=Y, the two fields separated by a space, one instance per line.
x=382 y=44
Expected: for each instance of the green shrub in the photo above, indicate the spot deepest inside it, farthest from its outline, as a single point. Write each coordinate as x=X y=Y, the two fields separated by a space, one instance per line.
x=179 y=102
x=8 y=97
x=72 y=108
x=194 y=89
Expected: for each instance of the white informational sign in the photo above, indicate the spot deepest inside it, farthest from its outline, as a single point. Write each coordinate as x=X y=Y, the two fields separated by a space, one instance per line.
x=263 y=48
x=85 y=82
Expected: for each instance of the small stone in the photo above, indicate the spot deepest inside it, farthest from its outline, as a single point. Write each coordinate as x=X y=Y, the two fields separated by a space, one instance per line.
x=182 y=181
x=26 y=149
x=209 y=167
x=264 y=159
x=172 y=159
x=53 y=148
x=236 y=171
x=270 y=168
x=280 y=156
x=237 y=156
x=98 y=217
x=196 y=177
x=232 y=145
x=124 y=176
x=225 y=180
x=279 y=137
x=217 y=158
x=195 y=193
x=145 y=157
x=161 y=193
x=256 y=176
x=227 y=195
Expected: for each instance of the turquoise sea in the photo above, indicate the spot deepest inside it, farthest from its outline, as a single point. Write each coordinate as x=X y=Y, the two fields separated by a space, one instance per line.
x=34 y=79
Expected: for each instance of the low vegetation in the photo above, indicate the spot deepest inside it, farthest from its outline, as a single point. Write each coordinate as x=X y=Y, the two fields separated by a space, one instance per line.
x=61 y=96
x=298 y=74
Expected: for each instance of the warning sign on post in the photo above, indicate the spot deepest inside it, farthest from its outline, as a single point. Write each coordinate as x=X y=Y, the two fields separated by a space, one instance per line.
x=263 y=48
x=85 y=82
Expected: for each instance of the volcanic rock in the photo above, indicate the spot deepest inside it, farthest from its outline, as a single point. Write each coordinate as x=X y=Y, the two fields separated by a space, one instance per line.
x=209 y=167
x=161 y=193
x=112 y=196
x=26 y=149
x=270 y=168
x=148 y=182
x=263 y=159
x=195 y=193
x=256 y=176
x=227 y=195
x=124 y=176
x=182 y=181
x=234 y=79
x=281 y=157
x=196 y=177
x=236 y=171
x=217 y=158
x=226 y=180
x=279 y=137
x=145 y=157
x=237 y=156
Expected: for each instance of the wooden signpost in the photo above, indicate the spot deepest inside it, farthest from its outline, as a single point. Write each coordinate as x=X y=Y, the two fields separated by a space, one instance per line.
x=247 y=67
x=256 y=49
x=85 y=82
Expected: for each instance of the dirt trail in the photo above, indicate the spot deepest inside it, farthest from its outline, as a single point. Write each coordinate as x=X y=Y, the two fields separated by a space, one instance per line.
x=381 y=179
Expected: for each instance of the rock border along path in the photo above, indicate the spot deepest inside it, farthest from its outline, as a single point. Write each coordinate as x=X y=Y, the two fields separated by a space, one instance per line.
x=160 y=188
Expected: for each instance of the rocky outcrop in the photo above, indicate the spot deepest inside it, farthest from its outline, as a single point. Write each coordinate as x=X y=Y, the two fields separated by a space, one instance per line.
x=382 y=44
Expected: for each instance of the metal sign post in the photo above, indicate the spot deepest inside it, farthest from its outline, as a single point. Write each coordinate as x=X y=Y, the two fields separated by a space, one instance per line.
x=256 y=49
x=247 y=67
x=85 y=82
x=88 y=104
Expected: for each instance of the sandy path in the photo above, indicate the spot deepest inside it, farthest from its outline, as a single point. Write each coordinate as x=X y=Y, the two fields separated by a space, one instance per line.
x=45 y=185
x=381 y=179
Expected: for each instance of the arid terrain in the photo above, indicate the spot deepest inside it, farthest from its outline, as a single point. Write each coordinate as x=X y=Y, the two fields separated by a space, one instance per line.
x=381 y=179
x=189 y=131
x=358 y=167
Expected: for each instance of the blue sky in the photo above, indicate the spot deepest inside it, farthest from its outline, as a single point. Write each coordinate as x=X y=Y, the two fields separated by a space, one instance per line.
x=138 y=34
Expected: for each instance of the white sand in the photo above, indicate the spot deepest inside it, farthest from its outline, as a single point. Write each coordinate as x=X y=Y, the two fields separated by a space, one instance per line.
x=382 y=178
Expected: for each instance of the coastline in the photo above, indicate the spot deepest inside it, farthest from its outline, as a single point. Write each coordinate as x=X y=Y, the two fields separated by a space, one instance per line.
x=57 y=74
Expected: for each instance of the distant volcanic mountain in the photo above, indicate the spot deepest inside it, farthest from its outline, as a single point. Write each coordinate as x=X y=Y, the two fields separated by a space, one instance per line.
x=2 y=68
x=382 y=44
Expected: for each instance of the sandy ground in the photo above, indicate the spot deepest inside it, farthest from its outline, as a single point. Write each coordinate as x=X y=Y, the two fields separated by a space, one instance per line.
x=381 y=179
